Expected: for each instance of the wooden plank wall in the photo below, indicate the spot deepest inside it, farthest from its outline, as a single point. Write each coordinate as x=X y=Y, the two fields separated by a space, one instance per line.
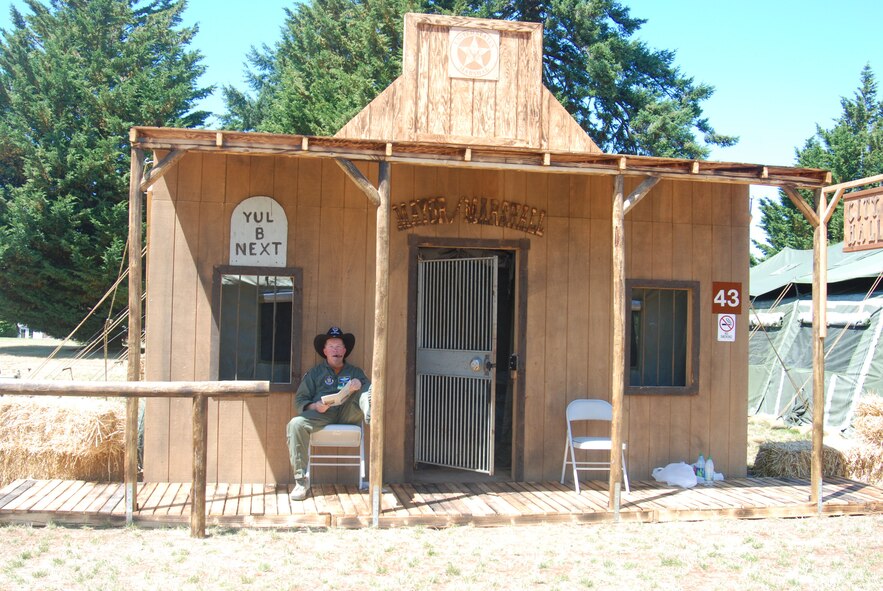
x=680 y=231
x=188 y=235
x=425 y=104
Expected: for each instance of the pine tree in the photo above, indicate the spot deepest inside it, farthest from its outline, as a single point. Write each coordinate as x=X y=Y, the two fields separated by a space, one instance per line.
x=852 y=149
x=75 y=76
x=335 y=56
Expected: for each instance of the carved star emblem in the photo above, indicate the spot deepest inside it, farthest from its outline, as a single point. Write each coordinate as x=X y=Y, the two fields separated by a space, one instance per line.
x=474 y=54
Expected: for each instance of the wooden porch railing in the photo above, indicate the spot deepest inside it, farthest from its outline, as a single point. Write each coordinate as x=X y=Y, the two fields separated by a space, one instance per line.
x=198 y=391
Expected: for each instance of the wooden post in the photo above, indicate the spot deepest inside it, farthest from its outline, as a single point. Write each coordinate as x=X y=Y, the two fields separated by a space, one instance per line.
x=378 y=363
x=200 y=447
x=136 y=172
x=228 y=389
x=819 y=332
x=617 y=363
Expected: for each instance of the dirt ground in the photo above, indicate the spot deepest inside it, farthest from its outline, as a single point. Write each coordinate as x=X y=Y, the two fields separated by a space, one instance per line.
x=818 y=553
x=806 y=554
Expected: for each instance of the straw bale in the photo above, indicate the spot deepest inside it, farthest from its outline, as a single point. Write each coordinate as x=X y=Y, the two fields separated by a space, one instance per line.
x=865 y=463
x=64 y=438
x=793 y=459
x=865 y=459
x=868 y=420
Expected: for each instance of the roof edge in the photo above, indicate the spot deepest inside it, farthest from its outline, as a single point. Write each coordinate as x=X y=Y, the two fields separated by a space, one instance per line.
x=500 y=155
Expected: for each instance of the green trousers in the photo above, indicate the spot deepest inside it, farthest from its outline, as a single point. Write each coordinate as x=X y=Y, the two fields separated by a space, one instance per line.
x=302 y=427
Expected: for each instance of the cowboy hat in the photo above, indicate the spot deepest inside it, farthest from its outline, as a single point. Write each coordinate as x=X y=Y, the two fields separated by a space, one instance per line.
x=349 y=341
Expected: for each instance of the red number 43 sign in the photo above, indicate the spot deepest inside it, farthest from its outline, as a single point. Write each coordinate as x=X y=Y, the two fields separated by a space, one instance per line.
x=726 y=298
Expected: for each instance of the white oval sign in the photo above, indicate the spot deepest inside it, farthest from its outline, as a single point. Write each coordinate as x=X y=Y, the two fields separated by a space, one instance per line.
x=258 y=233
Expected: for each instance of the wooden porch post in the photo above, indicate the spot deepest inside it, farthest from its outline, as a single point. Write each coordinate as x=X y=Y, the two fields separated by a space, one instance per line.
x=199 y=418
x=378 y=363
x=380 y=198
x=819 y=332
x=819 y=221
x=136 y=172
x=617 y=378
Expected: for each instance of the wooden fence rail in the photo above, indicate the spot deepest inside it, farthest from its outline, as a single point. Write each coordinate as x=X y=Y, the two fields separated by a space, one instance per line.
x=200 y=392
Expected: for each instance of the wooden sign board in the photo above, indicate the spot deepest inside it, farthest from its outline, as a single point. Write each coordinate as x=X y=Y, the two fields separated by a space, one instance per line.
x=258 y=233
x=863 y=220
x=726 y=297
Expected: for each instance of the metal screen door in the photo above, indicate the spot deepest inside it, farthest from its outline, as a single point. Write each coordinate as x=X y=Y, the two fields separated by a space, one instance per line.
x=456 y=352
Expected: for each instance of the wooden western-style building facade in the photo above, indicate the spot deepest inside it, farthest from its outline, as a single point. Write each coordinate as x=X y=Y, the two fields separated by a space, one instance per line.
x=595 y=259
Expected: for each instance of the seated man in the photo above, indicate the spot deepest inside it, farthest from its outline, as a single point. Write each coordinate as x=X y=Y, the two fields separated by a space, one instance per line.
x=328 y=377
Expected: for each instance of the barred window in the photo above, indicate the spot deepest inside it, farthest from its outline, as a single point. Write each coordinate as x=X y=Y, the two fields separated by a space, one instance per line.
x=257 y=314
x=663 y=328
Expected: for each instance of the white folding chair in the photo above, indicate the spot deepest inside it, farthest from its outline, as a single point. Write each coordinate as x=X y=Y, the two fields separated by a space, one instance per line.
x=589 y=410
x=336 y=435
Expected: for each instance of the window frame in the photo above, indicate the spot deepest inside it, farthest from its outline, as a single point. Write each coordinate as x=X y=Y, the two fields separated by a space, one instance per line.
x=693 y=325
x=295 y=274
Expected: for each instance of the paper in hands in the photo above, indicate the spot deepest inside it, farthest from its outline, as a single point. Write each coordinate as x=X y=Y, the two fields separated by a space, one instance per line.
x=340 y=397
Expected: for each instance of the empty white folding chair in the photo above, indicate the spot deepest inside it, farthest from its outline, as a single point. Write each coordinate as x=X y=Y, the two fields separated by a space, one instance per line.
x=336 y=435
x=589 y=410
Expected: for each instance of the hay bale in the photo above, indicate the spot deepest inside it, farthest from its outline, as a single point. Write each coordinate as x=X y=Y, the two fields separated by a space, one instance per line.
x=865 y=463
x=793 y=459
x=868 y=420
x=65 y=438
x=865 y=459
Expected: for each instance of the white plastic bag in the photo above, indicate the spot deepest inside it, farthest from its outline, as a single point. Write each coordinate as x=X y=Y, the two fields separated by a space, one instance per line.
x=679 y=474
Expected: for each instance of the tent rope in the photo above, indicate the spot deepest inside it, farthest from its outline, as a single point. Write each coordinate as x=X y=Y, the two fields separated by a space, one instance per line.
x=106 y=295
x=775 y=305
x=828 y=352
x=760 y=325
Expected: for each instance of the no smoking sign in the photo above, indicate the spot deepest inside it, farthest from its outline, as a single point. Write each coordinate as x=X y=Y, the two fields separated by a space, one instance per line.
x=726 y=328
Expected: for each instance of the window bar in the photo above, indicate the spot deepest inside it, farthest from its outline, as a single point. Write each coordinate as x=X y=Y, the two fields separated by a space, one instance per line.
x=656 y=312
x=238 y=307
x=257 y=327
x=674 y=332
x=273 y=328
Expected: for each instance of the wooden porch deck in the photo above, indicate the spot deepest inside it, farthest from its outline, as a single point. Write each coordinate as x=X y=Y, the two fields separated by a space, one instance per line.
x=431 y=505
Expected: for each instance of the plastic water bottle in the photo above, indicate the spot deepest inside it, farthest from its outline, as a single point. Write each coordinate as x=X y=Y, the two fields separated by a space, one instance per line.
x=709 y=470
x=700 y=467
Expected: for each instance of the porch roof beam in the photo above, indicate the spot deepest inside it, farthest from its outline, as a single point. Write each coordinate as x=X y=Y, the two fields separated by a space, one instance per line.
x=853 y=184
x=639 y=193
x=801 y=204
x=164 y=165
x=360 y=180
x=829 y=211
x=492 y=157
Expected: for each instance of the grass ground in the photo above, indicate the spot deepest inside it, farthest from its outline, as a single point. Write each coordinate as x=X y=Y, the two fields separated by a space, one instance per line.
x=27 y=358
x=805 y=554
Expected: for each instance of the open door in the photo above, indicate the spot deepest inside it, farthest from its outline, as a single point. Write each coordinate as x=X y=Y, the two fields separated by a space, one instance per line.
x=456 y=357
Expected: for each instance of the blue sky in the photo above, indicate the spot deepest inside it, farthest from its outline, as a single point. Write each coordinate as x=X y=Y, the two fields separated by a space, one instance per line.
x=779 y=67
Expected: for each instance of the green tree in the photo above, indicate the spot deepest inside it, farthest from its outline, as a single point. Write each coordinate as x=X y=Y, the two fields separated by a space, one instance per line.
x=852 y=149
x=337 y=55
x=8 y=329
x=75 y=76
